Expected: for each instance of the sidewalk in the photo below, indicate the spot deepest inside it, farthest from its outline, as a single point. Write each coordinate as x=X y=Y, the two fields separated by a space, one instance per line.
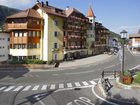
x=85 y=61
x=121 y=95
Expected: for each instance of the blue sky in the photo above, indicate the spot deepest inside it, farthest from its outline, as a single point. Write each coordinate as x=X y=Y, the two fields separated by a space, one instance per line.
x=114 y=14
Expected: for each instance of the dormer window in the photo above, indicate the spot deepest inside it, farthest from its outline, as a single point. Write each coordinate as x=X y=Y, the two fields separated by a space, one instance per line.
x=56 y=22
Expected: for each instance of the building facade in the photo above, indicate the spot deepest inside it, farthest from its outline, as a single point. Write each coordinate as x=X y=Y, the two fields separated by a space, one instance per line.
x=135 y=41
x=52 y=31
x=48 y=33
x=4 y=46
x=75 y=34
x=25 y=35
x=101 y=38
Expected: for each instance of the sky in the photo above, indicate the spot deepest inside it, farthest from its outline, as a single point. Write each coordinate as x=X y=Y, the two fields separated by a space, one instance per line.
x=116 y=15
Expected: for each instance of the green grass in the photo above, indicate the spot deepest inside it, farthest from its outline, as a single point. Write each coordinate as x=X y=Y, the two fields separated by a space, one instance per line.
x=137 y=78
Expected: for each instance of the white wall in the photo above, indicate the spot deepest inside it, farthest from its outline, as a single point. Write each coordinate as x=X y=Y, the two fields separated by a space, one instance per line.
x=44 y=41
x=4 y=43
x=24 y=52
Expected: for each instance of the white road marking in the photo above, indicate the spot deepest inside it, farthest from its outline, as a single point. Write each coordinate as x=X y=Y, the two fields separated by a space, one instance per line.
x=52 y=86
x=35 y=87
x=2 y=88
x=26 y=88
x=85 y=83
x=77 y=84
x=9 y=88
x=92 y=82
x=61 y=86
x=36 y=75
x=69 y=85
x=39 y=100
x=18 y=88
x=109 y=66
x=102 y=98
x=55 y=74
x=44 y=87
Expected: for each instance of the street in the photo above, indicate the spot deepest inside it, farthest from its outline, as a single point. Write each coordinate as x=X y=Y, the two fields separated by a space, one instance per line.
x=62 y=86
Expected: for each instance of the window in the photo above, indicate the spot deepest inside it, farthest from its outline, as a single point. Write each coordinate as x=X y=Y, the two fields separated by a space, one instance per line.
x=20 y=34
x=38 y=22
x=64 y=44
x=55 y=22
x=30 y=33
x=34 y=34
x=90 y=20
x=38 y=33
x=8 y=39
x=25 y=33
x=16 y=34
x=55 y=33
x=55 y=45
x=38 y=46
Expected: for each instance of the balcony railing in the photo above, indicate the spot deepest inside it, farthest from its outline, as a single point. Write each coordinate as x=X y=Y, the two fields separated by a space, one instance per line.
x=11 y=26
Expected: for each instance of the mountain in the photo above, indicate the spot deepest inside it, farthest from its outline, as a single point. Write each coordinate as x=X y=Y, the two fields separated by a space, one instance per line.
x=6 y=11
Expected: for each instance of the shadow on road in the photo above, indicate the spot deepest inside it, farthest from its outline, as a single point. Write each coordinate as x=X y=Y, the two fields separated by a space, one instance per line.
x=13 y=73
x=36 y=97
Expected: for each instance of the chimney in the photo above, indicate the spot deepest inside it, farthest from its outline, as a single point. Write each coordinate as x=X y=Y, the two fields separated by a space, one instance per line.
x=42 y=3
x=47 y=3
x=67 y=8
x=37 y=1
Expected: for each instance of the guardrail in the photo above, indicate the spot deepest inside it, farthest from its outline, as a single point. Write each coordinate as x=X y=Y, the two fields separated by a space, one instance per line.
x=109 y=72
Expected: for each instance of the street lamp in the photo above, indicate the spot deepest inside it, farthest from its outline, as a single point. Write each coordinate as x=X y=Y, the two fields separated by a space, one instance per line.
x=123 y=36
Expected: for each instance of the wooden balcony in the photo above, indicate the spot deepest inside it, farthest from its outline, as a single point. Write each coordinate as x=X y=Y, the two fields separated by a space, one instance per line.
x=17 y=26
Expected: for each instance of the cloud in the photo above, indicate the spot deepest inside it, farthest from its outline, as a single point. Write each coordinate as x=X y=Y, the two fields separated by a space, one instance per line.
x=129 y=29
x=20 y=4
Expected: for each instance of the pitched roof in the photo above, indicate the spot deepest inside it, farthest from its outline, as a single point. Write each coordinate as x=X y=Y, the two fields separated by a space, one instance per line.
x=26 y=13
x=90 y=12
x=51 y=10
x=69 y=11
x=134 y=35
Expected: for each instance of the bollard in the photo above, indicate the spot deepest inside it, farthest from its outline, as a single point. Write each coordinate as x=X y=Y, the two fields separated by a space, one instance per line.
x=102 y=74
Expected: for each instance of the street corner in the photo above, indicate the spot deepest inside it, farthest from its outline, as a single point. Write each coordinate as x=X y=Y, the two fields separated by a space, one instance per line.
x=116 y=95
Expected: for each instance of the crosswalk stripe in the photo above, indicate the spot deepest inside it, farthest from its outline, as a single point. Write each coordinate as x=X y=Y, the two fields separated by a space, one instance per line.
x=9 y=88
x=36 y=87
x=61 y=86
x=85 y=83
x=77 y=84
x=2 y=88
x=18 y=88
x=52 y=86
x=69 y=85
x=26 y=88
x=44 y=87
x=92 y=82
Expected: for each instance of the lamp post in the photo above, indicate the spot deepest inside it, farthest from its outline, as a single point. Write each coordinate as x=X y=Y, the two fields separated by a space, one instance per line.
x=123 y=36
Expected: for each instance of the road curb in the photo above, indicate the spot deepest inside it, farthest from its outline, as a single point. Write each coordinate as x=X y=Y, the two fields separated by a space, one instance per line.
x=125 y=86
x=109 y=58
x=101 y=88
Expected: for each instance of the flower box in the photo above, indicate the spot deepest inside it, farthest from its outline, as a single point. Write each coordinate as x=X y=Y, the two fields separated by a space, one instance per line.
x=127 y=79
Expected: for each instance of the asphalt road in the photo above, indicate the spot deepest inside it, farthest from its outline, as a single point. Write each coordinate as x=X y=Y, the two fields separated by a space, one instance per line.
x=73 y=74
x=40 y=87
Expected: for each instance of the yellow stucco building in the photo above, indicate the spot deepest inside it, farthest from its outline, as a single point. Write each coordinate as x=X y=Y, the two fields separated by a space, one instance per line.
x=52 y=32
